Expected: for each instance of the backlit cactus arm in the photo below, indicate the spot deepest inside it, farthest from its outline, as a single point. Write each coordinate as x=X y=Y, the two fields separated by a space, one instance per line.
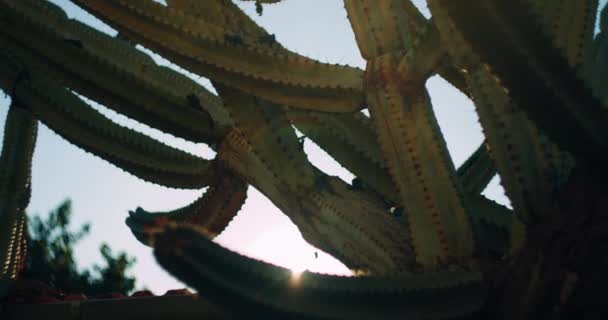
x=576 y=120
x=131 y=151
x=212 y=212
x=15 y=182
x=271 y=136
x=351 y=225
x=571 y=24
x=413 y=147
x=527 y=161
x=248 y=63
x=477 y=171
x=384 y=26
x=260 y=290
x=350 y=139
x=107 y=70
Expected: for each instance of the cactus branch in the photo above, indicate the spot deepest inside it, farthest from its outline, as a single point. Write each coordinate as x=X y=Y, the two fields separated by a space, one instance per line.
x=106 y=70
x=263 y=290
x=133 y=152
x=235 y=60
x=15 y=182
x=213 y=211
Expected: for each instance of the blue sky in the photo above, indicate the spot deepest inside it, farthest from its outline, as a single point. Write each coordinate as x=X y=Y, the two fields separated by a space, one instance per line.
x=103 y=195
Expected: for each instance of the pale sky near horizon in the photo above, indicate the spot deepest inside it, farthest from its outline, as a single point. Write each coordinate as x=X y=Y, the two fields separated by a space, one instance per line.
x=102 y=194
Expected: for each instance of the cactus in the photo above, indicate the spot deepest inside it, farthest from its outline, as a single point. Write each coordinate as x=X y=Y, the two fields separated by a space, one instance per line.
x=427 y=244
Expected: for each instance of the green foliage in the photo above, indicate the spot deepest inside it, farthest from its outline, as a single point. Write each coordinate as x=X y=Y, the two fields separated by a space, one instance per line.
x=51 y=257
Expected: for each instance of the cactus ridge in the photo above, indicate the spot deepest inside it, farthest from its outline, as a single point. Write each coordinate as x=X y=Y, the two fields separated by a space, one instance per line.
x=523 y=161
x=266 y=290
x=389 y=251
x=571 y=24
x=477 y=171
x=574 y=109
x=236 y=154
x=350 y=140
x=271 y=137
x=20 y=133
x=404 y=125
x=165 y=111
x=211 y=51
x=213 y=211
x=75 y=121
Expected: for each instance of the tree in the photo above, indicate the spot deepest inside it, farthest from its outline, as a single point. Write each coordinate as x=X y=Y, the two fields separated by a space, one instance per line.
x=429 y=244
x=50 y=258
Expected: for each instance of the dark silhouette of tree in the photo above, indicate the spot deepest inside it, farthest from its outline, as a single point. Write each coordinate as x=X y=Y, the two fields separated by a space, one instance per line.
x=50 y=258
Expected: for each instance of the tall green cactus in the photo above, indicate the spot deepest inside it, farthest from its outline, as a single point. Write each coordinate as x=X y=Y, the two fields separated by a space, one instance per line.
x=427 y=243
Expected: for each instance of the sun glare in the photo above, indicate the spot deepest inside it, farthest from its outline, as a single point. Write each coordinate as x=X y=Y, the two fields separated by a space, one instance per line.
x=270 y=236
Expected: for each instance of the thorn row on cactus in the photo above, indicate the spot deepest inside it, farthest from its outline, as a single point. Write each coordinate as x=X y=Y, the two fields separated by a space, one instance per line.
x=416 y=156
x=15 y=178
x=383 y=239
x=213 y=211
x=262 y=290
x=225 y=14
x=570 y=24
x=131 y=151
x=272 y=138
x=249 y=66
x=576 y=121
x=350 y=140
x=477 y=171
x=105 y=69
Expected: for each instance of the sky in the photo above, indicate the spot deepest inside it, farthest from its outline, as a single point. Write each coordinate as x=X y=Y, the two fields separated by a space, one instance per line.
x=102 y=194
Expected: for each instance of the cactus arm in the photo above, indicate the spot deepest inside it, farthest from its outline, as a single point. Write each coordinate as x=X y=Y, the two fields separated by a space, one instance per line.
x=225 y=14
x=529 y=164
x=417 y=157
x=237 y=60
x=383 y=26
x=577 y=120
x=299 y=187
x=407 y=130
x=261 y=290
x=133 y=152
x=237 y=154
x=477 y=171
x=15 y=183
x=526 y=159
x=213 y=211
x=349 y=139
x=106 y=70
x=271 y=136
x=406 y=134
x=571 y=23
x=506 y=128
x=448 y=71
x=353 y=226
x=359 y=225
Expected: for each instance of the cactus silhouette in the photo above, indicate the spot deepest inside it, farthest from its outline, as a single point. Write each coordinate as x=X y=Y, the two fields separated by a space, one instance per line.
x=427 y=243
